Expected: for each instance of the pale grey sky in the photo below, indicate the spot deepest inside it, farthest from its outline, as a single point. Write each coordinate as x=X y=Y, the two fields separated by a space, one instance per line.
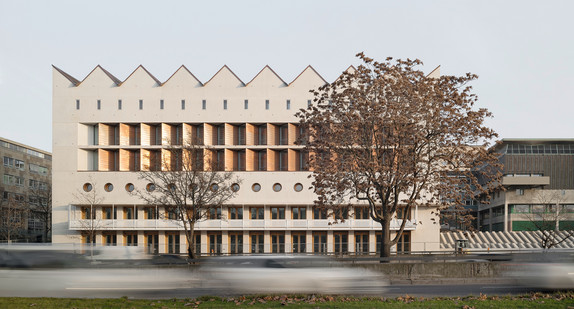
x=521 y=50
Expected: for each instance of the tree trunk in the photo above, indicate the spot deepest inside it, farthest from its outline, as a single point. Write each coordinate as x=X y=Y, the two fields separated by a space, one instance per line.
x=385 y=241
x=191 y=242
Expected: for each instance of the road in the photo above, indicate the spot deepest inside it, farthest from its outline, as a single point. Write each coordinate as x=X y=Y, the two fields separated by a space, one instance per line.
x=173 y=283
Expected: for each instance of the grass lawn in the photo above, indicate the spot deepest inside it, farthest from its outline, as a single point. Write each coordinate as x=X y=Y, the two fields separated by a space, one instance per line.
x=536 y=300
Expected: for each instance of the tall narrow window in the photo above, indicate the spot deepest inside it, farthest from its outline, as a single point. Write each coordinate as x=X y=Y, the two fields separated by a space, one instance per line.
x=77 y=104
x=203 y=104
x=160 y=104
x=224 y=104
x=246 y=104
x=182 y=104
x=266 y=104
x=99 y=104
x=288 y=104
x=120 y=104
x=141 y=104
x=308 y=103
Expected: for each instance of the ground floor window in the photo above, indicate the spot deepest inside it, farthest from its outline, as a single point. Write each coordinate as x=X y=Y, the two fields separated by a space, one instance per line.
x=235 y=242
x=257 y=242
x=341 y=242
x=320 y=242
x=131 y=238
x=214 y=243
x=362 y=242
x=404 y=243
x=278 y=242
x=109 y=239
x=152 y=242
x=298 y=240
x=172 y=242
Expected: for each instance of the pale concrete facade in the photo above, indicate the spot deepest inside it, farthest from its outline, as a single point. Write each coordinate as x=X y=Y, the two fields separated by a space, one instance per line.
x=104 y=132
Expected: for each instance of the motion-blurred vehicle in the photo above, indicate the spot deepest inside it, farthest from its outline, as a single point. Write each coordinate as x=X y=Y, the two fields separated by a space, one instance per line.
x=552 y=271
x=289 y=274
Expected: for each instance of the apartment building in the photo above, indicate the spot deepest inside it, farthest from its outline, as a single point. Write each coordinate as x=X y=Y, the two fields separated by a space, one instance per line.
x=538 y=181
x=25 y=192
x=107 y=131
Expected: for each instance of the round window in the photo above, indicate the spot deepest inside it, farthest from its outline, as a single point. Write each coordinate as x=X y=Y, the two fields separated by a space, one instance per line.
x=214 y=187
x=88 y=187
x=298 y=187
x=235 y=187
x=277 y=187
x=256 y=187
x=109 y=187
x=130 y=187
x=171 y=187
x=150 y=187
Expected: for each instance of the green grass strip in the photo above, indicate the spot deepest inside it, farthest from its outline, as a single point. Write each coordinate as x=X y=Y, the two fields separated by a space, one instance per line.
x=534 y=300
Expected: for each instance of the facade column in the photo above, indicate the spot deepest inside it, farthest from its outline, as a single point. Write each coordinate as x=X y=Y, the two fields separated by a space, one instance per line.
x=351 y=245
x=182 y=243
x=288 y=242
x=330 y=242
x=246 y=246
x=224 y=242
x=309 y=242
x=372 y=242
x=506 y=217
x=161 y=242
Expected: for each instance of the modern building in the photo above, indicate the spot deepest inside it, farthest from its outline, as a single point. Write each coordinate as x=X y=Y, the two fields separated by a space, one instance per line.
x=538 y=187
x=25 y=193
x=105 y=131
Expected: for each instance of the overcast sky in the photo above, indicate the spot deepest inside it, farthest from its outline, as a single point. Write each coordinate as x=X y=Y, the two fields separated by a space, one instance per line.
x=521 y=50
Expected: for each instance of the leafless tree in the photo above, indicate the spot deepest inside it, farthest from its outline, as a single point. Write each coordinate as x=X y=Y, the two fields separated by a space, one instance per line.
x=41 y=209
x=550 y=218
x=190 y=185
x=387 y=134
x=91 y=220
x=13 y=217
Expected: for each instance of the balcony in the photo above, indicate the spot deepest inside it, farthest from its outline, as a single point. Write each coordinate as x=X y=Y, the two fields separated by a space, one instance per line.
x=529 y=181
x=145 y=224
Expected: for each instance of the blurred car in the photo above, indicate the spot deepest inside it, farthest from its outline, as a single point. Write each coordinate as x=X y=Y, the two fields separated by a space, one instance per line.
x=289 y=274
x=543 y=270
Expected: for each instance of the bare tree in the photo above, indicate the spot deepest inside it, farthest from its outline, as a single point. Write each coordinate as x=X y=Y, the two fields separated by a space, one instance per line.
x=41 y=209
x=13 y=217
x=387 y=134
x=550 y=218
x=190 y=185
x=91 y=220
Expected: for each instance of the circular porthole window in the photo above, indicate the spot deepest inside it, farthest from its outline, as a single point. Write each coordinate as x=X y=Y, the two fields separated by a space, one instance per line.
x=171 y=187
x=150 y=187
x=256 y=187
x=130 y=187
x=298 y=187
x=193 y=187
x=277 y=187
x=88 y=187
x=214 y=187
x=235 y=187
x=109 y=187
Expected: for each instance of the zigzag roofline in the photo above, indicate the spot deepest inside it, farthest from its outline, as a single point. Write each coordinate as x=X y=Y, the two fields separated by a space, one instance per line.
x=224 y=67
x=266 y=66
x=309 y=66
x=68 y=76
x=151 y=75
x=188 y=71
x=118 y=82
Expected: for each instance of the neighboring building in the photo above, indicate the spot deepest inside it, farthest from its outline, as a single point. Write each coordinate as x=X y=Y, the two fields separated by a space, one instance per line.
x=25 y=192
x=538 y=181
x=105 y=131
